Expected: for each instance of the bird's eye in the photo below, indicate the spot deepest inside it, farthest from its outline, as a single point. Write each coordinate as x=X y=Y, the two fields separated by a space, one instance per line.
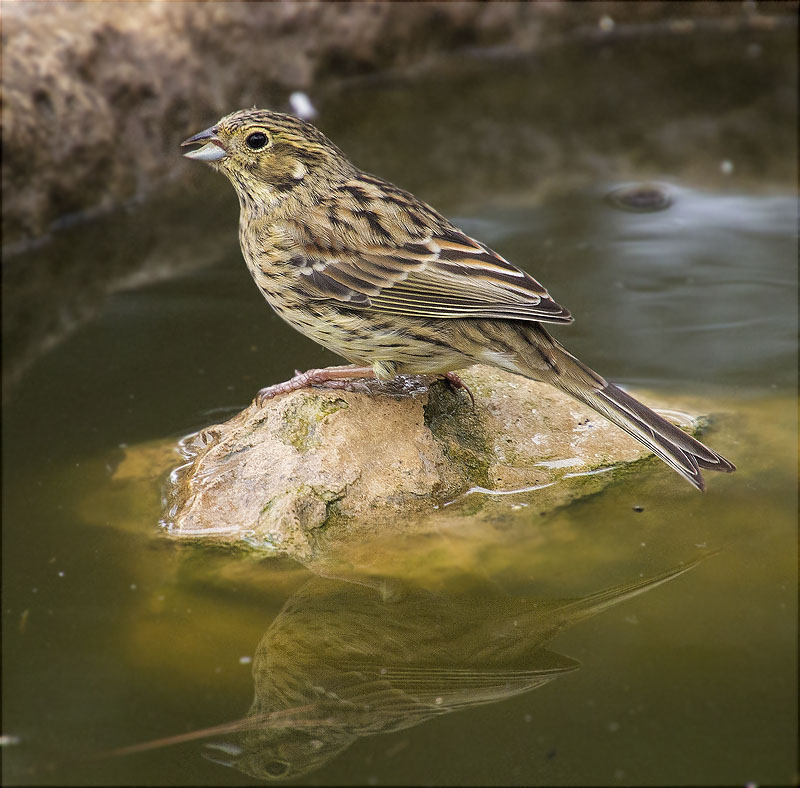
x=257 y=140
x=277 y=768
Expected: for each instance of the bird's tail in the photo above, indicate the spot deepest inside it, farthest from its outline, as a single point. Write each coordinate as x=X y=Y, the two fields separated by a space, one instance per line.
x=551 y=362
x=578 y=609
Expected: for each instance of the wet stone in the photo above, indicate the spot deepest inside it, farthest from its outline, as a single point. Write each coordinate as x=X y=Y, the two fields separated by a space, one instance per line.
x=317 y=465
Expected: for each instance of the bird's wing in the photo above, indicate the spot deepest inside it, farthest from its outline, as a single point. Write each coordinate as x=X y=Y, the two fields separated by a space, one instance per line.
x=370 y=698
x=425 y=687
x=376 y=247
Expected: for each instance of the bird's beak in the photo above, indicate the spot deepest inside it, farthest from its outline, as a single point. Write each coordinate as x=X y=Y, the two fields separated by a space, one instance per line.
x=213 y=150
x=233 y=750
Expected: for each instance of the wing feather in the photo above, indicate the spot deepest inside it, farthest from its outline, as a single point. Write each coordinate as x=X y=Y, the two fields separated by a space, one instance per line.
x=438 y=273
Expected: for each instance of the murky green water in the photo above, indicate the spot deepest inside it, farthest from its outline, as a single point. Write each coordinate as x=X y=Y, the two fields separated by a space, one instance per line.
x=113 y=635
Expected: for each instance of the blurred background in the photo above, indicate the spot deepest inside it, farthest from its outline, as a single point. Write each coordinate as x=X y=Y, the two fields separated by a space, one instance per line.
x=639 y=159
x=97 y=96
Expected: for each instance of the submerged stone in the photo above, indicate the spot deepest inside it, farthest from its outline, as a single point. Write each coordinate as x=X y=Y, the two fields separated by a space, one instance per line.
x=317 y=465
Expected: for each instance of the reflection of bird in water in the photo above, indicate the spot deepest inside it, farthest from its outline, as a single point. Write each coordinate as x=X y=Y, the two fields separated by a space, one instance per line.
x=340 y=662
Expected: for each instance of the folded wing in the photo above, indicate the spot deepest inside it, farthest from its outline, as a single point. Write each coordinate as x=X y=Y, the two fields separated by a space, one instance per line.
x=415 y=263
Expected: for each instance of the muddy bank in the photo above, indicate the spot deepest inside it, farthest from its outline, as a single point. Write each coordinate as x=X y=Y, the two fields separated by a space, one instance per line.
x=115 y=85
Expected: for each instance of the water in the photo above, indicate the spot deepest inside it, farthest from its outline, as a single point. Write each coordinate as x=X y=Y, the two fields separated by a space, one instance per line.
x=114 y=636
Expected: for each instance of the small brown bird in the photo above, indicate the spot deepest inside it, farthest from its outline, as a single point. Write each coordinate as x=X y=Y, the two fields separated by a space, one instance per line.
x=379 y=277
x=339 y=663
x=347 y=659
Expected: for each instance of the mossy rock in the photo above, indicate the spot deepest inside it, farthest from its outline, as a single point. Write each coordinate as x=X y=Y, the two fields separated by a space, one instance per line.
x=316 y=466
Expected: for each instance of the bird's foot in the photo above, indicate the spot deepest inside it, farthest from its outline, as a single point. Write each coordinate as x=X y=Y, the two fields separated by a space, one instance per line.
x=331 y=377
x=456 y=383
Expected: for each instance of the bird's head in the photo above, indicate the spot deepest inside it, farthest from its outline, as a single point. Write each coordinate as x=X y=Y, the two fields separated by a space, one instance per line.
x=281 y=753
x=268 y=156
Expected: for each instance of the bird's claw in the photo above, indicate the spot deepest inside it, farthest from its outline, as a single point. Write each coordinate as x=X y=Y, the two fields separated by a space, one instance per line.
x=332 y=377
x=456 y=383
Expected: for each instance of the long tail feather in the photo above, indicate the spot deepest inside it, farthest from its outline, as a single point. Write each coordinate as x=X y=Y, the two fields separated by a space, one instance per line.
x=680 y=451
x=585 y=607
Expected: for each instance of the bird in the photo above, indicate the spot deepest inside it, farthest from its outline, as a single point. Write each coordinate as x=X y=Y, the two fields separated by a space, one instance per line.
x=365 y=654
x=382 y=279
x=344 y=660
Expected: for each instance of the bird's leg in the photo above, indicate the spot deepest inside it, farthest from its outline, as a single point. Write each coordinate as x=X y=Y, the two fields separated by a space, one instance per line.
x=339 y=378
x=456 y=383
x=333 y=377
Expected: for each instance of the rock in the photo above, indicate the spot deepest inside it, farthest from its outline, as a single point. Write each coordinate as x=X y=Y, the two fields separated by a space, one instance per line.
x=318 y=465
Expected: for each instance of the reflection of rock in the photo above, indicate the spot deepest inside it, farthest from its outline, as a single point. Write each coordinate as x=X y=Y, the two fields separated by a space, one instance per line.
x=343 y=660
x=316 y=459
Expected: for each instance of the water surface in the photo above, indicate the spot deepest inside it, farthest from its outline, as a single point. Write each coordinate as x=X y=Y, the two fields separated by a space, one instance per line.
x=113 y=635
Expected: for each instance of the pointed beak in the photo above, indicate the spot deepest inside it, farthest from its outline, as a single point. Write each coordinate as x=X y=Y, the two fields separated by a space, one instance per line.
x=233 y=750
x=212 y=150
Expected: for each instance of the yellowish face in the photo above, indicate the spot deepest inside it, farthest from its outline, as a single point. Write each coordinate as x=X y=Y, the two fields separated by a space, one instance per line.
x=267 y=151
